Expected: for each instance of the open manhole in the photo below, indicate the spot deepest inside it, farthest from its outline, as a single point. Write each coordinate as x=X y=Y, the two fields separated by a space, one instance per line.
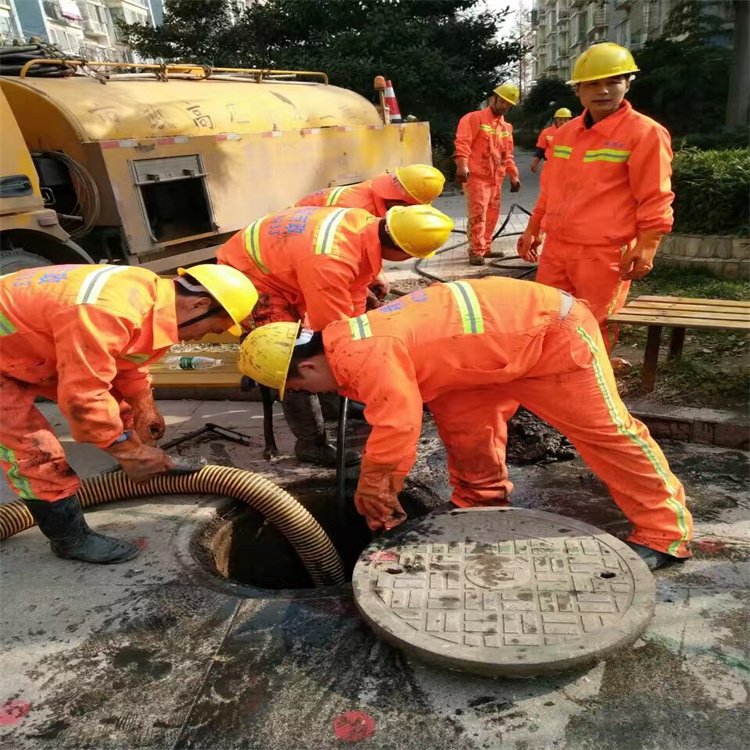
x=240 y=545
x=504 y=591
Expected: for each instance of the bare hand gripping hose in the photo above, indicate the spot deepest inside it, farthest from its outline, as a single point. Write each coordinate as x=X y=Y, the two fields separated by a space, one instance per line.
x=291 y=518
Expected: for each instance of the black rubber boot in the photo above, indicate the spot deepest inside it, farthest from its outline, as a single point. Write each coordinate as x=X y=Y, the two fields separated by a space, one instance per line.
x=653 y=557
x=70 y=537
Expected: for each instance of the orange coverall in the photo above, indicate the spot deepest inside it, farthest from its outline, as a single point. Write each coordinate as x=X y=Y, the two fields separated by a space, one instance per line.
x=544 y=142
x=308 y=261
x=470 y=348
x=82 y=336
x=486 y=141
x=370 y=195
x=605 y=184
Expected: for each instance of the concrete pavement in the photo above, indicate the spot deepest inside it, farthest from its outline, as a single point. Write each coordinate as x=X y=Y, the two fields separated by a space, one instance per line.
x=160 y=653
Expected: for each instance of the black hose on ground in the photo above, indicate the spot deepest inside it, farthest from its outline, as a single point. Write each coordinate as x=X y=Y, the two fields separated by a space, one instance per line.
x=291 y=518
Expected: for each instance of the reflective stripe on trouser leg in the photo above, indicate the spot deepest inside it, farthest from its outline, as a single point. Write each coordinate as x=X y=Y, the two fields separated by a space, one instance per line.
x=618 y=448
x=31 y=456
x=473 y=427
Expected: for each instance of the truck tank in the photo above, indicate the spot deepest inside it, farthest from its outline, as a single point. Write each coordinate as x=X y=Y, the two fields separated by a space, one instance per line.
x=180 y=158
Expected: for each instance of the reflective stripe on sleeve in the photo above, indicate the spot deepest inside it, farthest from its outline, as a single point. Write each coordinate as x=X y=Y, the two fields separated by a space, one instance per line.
x=252 y=244
x=334 y=195
x=92 y=285
x=325 y=240
x=360 y=327
x=468 y=306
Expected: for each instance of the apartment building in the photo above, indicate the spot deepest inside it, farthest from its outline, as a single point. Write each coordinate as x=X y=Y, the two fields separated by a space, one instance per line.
x=85 y=28
x=565 y=28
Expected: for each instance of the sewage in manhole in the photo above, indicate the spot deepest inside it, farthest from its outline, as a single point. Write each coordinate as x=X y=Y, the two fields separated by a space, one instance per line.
x=242 y=546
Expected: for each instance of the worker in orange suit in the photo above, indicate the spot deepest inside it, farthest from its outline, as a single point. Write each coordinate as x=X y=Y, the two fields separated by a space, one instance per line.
x=605 y=199
x=543 y=150
x=484 y=154
x=83 y=336
x=468 y=349
x=317 y=263
x=406 y=186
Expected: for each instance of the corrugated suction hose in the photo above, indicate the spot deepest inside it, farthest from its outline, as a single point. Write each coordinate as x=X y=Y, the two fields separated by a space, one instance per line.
x=291 y=518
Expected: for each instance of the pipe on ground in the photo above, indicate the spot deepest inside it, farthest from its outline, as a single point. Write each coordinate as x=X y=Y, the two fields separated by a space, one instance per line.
x=291 y=518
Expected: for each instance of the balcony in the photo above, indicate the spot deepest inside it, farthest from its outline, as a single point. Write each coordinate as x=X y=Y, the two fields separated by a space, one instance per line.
x=95 y=29
x=623 y=4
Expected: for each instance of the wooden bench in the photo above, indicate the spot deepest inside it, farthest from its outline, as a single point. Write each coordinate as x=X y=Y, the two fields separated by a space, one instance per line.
x=679 y=313
x=226 y=375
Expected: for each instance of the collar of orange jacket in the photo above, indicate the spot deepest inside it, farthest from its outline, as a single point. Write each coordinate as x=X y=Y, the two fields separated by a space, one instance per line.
x=606 y=126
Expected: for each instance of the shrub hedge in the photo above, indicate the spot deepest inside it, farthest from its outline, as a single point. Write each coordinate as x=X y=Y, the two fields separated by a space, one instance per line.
x=711 y=191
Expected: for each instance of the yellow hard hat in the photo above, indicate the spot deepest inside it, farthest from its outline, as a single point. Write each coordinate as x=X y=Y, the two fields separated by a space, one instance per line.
x=603 y=60
x=508 y=91
x=418 y=230
x=563 y=112
x=266 y=352
x=229 y=287
x=422 y=182
x=415 y=184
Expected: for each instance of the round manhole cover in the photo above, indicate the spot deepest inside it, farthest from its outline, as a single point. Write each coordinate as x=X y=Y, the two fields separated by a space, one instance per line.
x=504 y=591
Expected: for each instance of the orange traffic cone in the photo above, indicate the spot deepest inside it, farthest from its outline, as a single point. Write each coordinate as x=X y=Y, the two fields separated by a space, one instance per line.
x=390 y=100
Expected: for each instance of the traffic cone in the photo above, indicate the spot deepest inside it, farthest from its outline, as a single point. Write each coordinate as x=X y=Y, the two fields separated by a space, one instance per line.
x=390 y=100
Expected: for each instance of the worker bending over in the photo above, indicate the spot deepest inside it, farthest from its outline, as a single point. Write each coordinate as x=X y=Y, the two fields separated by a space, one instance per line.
x=317 y=263
x=543 y=148
x=407 y=186
x=605 y=199
x=83 y=336
x=467 y=349
x=484 y=154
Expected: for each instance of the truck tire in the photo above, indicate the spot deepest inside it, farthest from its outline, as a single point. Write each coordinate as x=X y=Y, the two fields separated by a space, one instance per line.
x=17 y=260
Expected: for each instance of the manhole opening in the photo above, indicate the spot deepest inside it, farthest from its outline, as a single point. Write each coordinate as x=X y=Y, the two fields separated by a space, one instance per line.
x=242 y=546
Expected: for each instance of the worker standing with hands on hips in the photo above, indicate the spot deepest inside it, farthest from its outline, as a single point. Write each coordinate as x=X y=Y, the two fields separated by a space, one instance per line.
x=406 y=186
x=484 y=154
x=606 y=198
x=543 y=148
x=83 y=336
x=317 y=263
x=466 y=349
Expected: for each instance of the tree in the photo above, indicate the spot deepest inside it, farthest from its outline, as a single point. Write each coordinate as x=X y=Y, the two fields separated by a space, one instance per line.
x=442 y=55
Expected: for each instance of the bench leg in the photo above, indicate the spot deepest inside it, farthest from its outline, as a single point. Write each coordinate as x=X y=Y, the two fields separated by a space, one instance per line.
x=651 y=358
x=678 y=341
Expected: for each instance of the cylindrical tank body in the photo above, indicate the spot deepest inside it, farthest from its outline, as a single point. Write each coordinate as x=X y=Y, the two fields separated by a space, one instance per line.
x=180 y=164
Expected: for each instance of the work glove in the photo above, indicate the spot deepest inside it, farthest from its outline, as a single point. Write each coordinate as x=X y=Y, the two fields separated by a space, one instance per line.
x=139 y=461
x=147 y=420
x=529 y=242
x=535 y=164
x=376 y=497
x=515 y=186
x=639 y=260
x=380 y=286
x=462 y=171
x=371 y=301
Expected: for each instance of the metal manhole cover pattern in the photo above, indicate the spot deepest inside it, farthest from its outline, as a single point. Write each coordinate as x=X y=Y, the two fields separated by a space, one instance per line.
x=504 y=591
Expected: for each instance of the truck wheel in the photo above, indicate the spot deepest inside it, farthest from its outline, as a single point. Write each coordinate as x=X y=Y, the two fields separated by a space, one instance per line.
x=16 y=260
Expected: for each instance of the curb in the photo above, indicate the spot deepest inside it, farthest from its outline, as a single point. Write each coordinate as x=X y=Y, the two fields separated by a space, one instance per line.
x=725 y=429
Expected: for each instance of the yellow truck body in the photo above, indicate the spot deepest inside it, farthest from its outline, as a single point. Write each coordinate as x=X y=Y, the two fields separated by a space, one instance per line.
x=182 y=162
x=25 y=224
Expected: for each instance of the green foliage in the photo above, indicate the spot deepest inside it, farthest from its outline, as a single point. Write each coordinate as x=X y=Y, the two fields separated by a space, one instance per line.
x=675 y=282
x=681 y=85
x=537 y=107
x=443 y=56
x=711 y=191
x=726 y=138
x=442 y=159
